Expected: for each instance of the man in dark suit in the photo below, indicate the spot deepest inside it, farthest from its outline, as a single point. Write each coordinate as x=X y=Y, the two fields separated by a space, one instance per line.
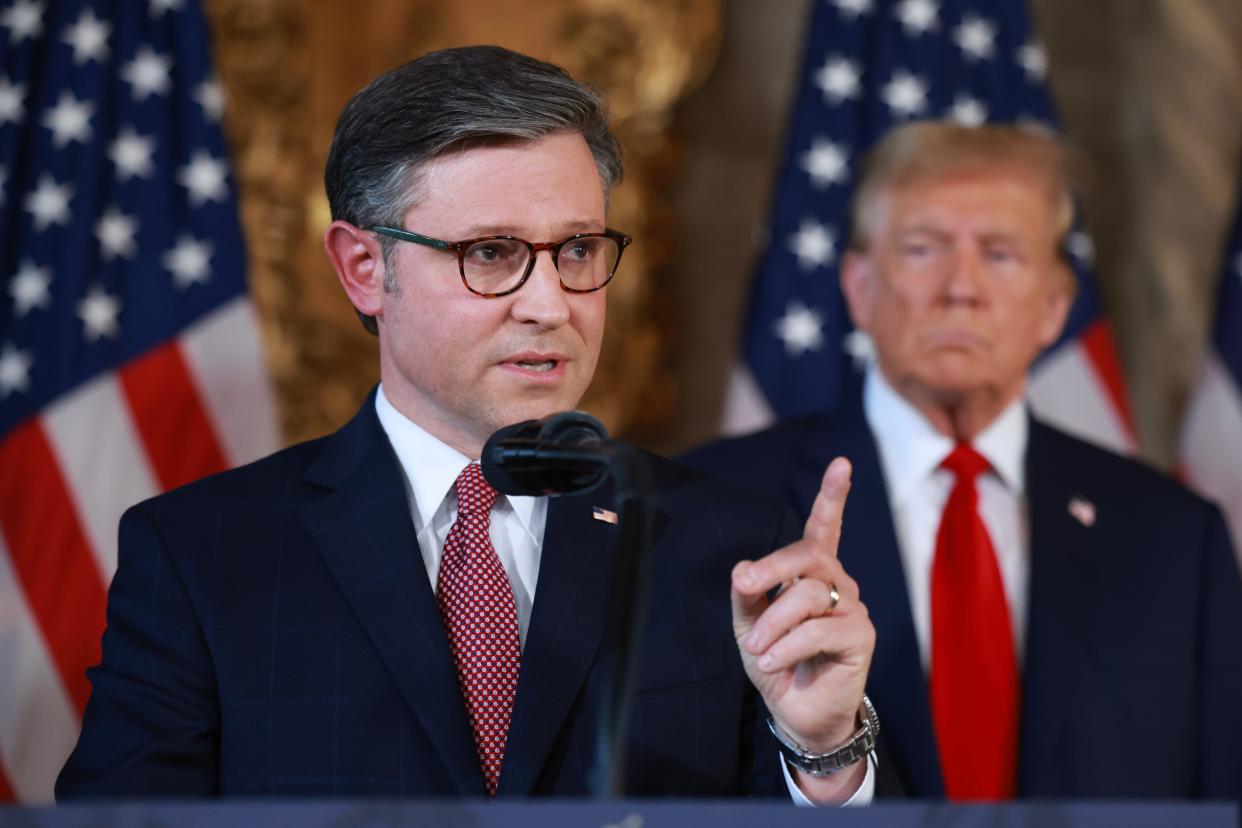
x=365 y=615
x=1052 y=620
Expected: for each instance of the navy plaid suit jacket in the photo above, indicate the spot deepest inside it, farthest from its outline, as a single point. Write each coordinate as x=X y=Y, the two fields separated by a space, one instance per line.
x=1133 y=668
x=271 y=631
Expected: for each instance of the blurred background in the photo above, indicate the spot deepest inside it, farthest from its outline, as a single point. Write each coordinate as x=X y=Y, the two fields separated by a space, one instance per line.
x=168 y=310
x=701 y=91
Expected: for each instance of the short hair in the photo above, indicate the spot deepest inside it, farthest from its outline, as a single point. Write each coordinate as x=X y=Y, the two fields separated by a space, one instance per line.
x=926 y=150
x=442 y=101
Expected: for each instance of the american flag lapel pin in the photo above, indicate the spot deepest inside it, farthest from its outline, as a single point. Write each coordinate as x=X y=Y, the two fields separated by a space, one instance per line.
x=605 y=515
x=1082 y=510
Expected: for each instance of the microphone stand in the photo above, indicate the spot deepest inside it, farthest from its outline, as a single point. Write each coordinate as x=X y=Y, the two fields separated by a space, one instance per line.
x=621 y=656
x=627 y=609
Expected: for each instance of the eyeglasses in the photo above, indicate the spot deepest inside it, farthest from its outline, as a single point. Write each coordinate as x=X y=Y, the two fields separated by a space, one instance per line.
x=498 y=265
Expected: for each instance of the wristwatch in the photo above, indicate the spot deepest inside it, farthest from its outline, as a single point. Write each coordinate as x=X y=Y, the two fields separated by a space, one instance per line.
x=823 y=764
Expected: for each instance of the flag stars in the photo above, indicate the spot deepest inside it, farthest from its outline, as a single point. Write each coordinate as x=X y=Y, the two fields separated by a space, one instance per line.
x=115 y=232
x=14 y=370
x=801 y=329
x=918 y=17
x=812 y=244
x=89 y=38
x=23 y=19
x=149 y=73
x=29 y=288
x=158 y=7
x=210 y=96
x=860 y=347
x=968 y=111
x=99 y=312
x=839 y=79
x=203 y=178
x=853 y=8
x=188 y=261
x=825 y=162
x=905 y=94
x=12 y=102
x=1034 y=61
x=131 y=153
x=976 y=38
x=48 y=203
x=1081 y=247
x=69 y=120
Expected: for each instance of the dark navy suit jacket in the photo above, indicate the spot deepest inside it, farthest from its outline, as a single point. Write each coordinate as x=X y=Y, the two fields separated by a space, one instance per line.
x=272 y=631
x=1132 y=681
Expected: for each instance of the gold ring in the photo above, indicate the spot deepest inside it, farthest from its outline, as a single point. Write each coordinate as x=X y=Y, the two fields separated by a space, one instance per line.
x=834 y=594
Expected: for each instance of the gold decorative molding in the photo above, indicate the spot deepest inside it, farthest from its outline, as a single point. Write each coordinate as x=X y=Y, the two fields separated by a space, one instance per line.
x=288 y=66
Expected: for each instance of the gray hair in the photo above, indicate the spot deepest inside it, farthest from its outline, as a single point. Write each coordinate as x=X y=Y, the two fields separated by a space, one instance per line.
x=445 y=100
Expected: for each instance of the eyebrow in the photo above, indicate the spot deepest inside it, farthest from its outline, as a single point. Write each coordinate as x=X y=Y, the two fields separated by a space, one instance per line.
x=1004 y=237
x=570 y=228
x=988 y=237
x=924 y=230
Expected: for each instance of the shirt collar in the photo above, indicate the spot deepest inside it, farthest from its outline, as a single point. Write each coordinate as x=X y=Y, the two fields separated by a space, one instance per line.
x=911 y=449
x=432 y=466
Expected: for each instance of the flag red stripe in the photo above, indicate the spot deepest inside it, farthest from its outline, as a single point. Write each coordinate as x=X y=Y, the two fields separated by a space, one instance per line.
x=6 y=789
x=50 y=555
x=1097 y=342
x=171 y=418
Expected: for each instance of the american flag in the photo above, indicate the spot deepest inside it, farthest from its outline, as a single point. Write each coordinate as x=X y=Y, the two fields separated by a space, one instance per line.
x=129 y=355
x=870 y=65
x=1211 y=449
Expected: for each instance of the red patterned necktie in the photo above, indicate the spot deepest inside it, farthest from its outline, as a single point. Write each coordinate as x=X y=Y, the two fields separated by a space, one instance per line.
x=476 y=604
x=974 y=676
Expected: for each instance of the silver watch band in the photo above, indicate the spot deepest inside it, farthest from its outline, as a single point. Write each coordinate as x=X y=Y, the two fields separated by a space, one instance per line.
x=822 y=764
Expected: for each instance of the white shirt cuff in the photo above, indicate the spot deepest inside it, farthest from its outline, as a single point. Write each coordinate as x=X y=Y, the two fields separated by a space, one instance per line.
x=863 y=796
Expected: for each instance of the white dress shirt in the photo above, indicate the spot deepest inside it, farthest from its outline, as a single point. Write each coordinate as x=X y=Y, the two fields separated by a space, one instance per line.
x=517 y=527
x=911 y=451
x=431 y=468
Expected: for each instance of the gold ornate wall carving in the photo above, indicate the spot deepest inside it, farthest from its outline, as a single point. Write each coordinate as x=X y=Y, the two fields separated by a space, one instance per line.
x=288 y=66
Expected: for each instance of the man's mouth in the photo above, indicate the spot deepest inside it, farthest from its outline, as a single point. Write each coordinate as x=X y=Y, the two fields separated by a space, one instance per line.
x=540 y=365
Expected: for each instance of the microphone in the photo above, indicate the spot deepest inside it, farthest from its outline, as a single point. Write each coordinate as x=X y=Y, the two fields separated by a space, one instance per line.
x=565 y=453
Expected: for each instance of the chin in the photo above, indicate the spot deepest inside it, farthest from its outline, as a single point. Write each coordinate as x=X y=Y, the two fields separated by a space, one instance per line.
x=534 y=410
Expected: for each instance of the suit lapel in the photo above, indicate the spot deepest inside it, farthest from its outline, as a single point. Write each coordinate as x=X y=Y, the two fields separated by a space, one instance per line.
x=870 y=555
x=1060 y=598
x=566 y=628
x=364 y=532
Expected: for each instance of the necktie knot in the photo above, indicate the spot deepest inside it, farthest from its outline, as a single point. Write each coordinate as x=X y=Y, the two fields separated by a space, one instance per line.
x=965 y=463
x=475 y=496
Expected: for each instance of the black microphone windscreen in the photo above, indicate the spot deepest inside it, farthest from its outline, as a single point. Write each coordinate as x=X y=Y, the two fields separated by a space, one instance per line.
x=560 y=454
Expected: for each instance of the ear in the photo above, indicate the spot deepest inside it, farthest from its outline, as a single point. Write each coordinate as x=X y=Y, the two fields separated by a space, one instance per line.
x=358 y=260
x=856 y=275
x=1057 y=304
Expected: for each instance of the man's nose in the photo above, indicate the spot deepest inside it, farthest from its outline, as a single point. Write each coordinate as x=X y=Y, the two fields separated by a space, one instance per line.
x=964 y=277
x=542 y=300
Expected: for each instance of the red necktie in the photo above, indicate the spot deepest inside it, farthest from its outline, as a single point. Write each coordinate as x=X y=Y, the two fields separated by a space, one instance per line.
x=974 y=676
x=476 y=604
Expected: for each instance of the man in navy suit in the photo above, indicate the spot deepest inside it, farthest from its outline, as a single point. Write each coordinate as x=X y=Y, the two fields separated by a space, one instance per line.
x=1052 y=620
x=363 y=615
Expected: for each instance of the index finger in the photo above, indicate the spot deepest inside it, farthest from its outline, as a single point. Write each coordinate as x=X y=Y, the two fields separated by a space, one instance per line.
x=823 y=525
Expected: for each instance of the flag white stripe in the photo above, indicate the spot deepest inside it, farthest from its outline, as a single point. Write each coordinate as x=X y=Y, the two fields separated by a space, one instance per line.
x=225 y=357
x=1065 y=390
x=1211 y=446
x=745 y=407
x=38 y=723
x=102 y=459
